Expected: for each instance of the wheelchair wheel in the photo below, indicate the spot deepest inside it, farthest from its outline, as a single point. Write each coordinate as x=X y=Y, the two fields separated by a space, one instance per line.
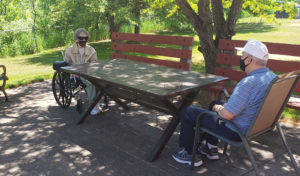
x=62 y=90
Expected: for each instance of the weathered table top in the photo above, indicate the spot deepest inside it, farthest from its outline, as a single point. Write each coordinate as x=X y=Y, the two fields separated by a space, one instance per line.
x=148 y=78
x=147 y=84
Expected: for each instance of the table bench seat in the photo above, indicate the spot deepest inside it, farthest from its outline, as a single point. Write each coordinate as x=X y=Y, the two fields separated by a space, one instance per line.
x=153 y=49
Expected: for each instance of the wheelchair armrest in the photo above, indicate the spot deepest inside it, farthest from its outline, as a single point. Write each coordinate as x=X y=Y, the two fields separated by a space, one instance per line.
x=58 y=64
x=226 y=95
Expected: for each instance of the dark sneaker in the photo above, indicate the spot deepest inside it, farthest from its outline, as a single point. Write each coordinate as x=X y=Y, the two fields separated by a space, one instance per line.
x=182 y=156
x=209 y=153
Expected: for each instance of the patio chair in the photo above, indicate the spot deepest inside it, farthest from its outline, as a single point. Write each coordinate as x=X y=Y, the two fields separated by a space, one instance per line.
x=4 y=78
x=278 y=93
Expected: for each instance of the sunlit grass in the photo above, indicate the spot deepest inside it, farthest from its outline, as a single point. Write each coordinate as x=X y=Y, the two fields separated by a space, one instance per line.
x=27 y=69
x=292 y=114
x=287 y=31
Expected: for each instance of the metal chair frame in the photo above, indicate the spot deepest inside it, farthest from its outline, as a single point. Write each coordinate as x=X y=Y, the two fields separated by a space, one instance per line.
x=250 y=135
x=4 y=78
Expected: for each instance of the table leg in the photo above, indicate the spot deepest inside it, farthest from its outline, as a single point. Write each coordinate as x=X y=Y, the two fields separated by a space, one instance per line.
x=160 y=145
x=119 y=102
x=91 y=106
x=188 y=100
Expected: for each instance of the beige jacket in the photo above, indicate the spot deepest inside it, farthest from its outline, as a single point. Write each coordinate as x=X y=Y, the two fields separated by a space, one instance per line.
x=72 y=55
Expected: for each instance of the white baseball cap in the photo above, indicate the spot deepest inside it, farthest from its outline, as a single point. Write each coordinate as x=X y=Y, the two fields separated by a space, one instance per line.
x=255 y=48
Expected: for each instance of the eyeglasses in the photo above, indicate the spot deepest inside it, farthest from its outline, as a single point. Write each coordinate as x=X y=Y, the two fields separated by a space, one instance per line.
x=81 y=38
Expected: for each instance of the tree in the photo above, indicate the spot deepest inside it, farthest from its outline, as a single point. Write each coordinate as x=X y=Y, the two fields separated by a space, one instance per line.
x=136 y=7
x=211 y=16
x=117 y=13
x=166 y=11
x=203 y=25
x=34 y=12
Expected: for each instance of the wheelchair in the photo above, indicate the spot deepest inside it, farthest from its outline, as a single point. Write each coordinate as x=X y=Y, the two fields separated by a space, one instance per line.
x=66 y=86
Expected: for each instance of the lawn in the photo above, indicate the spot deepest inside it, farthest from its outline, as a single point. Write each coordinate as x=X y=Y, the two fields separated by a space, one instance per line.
x=23 y=70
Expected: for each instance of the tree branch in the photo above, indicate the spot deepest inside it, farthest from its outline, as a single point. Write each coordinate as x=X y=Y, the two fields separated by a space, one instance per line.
x=202 y=24
x=190 y=14
x=233 y=16
x=219 y=20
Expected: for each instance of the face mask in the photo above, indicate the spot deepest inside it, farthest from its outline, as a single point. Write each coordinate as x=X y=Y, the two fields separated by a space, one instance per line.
x=82 y=43
x=242 y=64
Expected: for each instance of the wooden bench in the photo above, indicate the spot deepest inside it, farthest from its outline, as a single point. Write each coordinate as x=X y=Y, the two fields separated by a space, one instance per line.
x=3 y=78
x=229 y=61
x=150 y=48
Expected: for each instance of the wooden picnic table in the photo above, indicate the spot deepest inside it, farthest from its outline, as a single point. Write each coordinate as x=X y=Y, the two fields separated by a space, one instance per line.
x=149 y=85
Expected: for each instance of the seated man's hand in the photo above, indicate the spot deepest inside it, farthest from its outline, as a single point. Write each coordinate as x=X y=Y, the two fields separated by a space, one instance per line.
x=215 y=102
x=218 y=106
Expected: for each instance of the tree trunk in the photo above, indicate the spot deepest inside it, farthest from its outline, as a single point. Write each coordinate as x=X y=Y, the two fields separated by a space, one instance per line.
x=97 y=24
x=233 y=16
x=97 y=28
x=219 y=20
x=113 y=27
x=225 y=29
x=33 y=27
x=137 y=16
x=117 y=27
x=111 y=22
x=202 y=24
x=136 y=29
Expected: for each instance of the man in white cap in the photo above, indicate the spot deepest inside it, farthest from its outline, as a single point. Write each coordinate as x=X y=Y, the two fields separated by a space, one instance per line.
x=240 y=108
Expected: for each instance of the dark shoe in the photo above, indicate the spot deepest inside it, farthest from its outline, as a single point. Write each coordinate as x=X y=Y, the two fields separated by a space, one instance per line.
x=182 y=156
x=209 y=153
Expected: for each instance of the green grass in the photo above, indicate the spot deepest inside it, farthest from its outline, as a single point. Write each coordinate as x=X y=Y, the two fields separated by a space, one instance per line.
x=291 y=114
x=31 y=68
x=286 y=31
x=27 y=69
x=23 y=70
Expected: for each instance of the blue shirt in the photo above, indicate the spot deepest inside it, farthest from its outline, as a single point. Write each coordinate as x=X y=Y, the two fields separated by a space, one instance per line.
x=247 y=96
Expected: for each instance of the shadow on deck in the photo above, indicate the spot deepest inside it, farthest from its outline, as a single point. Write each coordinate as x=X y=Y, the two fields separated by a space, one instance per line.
x=40 y=138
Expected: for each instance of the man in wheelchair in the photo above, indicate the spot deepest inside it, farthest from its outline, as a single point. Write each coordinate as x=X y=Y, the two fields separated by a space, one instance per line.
x=81 y=53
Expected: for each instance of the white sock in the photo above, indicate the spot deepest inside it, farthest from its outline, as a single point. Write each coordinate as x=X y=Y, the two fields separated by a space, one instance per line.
x=211 y=146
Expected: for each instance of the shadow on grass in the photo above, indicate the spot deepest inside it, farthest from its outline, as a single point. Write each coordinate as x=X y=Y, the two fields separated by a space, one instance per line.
x=254 y=28
x=47 y=58
x=240 y=28
x=177 y=33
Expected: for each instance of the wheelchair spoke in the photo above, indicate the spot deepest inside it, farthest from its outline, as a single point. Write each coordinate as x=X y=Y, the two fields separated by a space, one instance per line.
x=63 y=98
x=62 y=88
x=57 y=84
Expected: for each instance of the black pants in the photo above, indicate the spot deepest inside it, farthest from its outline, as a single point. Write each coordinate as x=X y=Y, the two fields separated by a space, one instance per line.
x=187 y=132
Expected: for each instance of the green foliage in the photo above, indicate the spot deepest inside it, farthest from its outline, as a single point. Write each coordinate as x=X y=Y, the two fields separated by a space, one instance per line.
x=166 y=11
x=292 y=114
x=267 y=8
x=245 y=14
x=57 y=19
x=152 y=25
